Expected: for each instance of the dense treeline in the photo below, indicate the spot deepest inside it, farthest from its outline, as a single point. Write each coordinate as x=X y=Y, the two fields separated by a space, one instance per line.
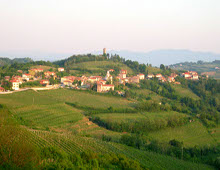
x=174 y=148
x=88 y=57
x=53 y=158
x=141 y=126
x=11 y=70
x=207 y=107
x=7 y=61
x=31 y=84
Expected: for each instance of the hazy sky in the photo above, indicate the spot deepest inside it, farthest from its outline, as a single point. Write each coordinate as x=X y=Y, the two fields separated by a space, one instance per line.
x=79 y=26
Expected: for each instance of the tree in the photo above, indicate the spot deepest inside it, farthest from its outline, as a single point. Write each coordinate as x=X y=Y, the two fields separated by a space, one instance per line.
x=162 y=67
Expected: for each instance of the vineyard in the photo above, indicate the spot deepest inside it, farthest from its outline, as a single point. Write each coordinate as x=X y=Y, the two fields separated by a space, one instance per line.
x=191 y=134
x=46 y=121
x=127 y=117
x=84 y=98
x=184 y=92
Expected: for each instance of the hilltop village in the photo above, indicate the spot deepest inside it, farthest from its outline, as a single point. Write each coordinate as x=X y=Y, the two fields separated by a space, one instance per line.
x=87 y=104
x=49 y=79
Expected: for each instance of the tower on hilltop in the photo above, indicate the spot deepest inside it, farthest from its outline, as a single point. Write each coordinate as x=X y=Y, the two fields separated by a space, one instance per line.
x=104 y=51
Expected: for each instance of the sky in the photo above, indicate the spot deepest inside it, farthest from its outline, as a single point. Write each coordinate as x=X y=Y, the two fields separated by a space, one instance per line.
x=81 y=26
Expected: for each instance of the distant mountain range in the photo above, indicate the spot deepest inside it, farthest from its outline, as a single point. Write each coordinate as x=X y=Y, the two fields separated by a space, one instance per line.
x=167 y=57
x=156 y=57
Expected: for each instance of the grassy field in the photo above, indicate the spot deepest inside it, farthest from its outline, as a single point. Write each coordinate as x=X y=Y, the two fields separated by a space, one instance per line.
x=153 y=70
x=190 y=134
x=215 y=133
x=128 y=117
x=48 y=116
x=46 y=68
x=148 y=93
x=101 y=66
x=24 y=98
x=47 y=121
x=85 y=98
x=184 y=92
x=72 y=143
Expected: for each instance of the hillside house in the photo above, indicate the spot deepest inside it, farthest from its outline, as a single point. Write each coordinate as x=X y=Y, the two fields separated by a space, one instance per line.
x=104 y=87
x=7 y=78
x=123 y=74
x=195 y=77
x=26 y=77
x=2 y=89
x=134 y=79
x=173 y=75
x=19 y=78
x=45 y=82
x=61 y=69
x=150 y=76
x=94 y=79
x=187 y=75
x=72 y=78
x=141 y=76
x=108 y=77
x=68 y=83
x=123 y=81
x=193 y=72
x=49 y=73
x=176 y=82
x=158 y=76
x=20 y=71
x=171 y=79
x=162 y=79
x=84 y=80
x=15 y=84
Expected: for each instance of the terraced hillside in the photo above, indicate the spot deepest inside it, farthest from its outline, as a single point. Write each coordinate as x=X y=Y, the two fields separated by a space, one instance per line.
x=45 y=120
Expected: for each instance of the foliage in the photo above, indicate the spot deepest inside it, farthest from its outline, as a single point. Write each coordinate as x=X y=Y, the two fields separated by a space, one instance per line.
x=31 y=84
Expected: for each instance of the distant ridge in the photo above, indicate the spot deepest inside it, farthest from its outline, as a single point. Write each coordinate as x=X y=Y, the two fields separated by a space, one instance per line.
x=167 y=56
x=155 y=57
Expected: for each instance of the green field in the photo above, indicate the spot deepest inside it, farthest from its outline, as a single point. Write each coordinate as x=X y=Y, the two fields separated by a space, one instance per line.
x=128 y=117
x=71 y=144
x=48 y=116
x=47 y=121
x=100 y=66
x=185 y=92
x=153 y=70
x=148 y=93
x=191 y=134
x=29 y=97
x=84 y=98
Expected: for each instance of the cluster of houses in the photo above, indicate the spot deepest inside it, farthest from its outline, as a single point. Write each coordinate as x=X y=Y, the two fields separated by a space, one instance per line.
x=122 y=77
x=191 y=75
x=31 y=76
x=160 y=77
x=104 y=84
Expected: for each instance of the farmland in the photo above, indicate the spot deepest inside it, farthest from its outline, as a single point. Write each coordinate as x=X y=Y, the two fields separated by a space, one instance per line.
x=148 y=94
x=100 y=66
x=85 y=98
x=191 y=134
x=45 y=120
x=126 y=117
x=70 y=144
x=185 y=92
